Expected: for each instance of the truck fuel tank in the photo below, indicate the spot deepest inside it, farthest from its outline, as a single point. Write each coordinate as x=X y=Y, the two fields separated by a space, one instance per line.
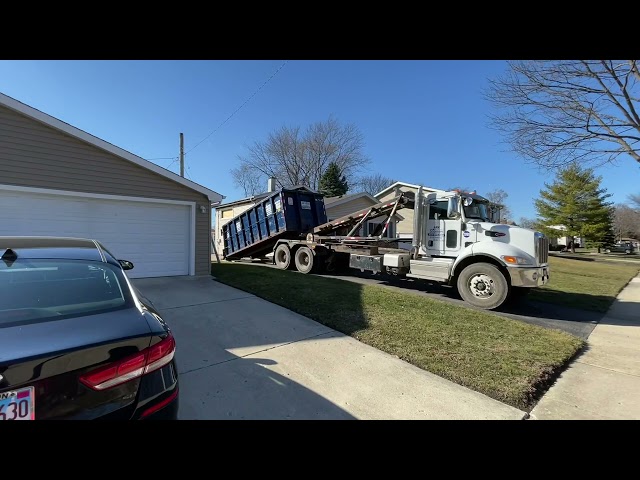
x=397 y=260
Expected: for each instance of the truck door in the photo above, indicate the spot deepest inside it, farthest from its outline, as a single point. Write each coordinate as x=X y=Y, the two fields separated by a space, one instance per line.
x=443 y=234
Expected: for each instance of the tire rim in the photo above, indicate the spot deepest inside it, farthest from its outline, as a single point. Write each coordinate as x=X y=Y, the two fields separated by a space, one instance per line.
x=482 y=285
x=282 y=256
x=303 y=258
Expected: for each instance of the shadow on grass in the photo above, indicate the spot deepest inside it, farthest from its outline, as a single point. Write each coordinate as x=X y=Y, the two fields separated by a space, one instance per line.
x=609 y=258
x=540 y=303
x=547 y=311
x=573 y=257
x=595 y=304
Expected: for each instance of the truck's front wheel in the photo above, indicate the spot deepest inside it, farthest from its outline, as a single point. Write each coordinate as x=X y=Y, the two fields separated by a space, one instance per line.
x=483 y=285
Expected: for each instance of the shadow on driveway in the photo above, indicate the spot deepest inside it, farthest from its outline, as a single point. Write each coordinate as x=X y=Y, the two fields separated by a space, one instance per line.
x=219 y=345
x=242 y=357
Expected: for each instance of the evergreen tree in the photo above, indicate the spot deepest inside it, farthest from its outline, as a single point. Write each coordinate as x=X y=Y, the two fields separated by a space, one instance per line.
x=332 y=182
x=578 y=202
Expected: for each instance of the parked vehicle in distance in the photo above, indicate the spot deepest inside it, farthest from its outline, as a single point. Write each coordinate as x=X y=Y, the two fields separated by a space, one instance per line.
x=77 y=340
x=620 y=248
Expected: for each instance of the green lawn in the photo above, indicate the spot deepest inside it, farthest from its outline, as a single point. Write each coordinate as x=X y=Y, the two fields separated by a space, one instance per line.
x=588 y=285
x=505 y=359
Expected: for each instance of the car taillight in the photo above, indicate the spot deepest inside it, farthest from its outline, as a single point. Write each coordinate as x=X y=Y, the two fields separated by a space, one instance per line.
x=131 y=367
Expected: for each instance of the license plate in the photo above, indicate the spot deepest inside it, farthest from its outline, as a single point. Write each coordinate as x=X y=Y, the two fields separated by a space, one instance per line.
x=17 y=404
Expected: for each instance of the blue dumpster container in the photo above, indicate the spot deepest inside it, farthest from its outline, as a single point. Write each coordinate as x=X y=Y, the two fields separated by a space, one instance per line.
x=285 y=213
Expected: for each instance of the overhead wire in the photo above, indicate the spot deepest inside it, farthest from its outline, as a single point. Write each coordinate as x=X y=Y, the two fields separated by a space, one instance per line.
x=175 y=159
x=240 y=107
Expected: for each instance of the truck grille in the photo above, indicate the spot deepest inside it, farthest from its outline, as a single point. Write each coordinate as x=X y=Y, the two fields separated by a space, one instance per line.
x=542 y=249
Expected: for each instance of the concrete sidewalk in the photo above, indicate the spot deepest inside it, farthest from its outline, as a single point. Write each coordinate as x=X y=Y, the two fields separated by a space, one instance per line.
x=603 y=382
x=241 y=357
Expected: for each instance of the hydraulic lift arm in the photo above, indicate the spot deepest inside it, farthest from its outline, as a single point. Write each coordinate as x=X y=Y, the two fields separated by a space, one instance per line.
x=357 y=219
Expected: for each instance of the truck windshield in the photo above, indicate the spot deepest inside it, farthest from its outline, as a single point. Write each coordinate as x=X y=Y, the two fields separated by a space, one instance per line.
x=477 y=211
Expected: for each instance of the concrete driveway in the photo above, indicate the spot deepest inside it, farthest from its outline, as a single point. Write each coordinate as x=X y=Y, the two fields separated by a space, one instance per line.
x=241 y=357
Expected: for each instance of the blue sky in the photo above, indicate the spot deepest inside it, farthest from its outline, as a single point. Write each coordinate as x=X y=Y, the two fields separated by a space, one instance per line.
x=423 y=121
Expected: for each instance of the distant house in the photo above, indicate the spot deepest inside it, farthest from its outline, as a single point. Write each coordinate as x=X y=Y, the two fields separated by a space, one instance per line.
x=342 y=205
x=404 y=227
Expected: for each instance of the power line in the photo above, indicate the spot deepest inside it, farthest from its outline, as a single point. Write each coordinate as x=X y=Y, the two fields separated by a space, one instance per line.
x=240 y=107
x=159 y=158
x=175 y=160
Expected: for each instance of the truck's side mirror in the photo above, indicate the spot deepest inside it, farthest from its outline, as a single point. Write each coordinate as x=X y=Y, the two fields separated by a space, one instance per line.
x=452 y=207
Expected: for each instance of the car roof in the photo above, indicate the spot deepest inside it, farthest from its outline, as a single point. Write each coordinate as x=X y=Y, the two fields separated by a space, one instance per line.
x=69 y=248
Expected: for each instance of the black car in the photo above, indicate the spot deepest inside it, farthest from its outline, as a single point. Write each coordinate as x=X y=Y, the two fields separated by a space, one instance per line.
x=77 y=340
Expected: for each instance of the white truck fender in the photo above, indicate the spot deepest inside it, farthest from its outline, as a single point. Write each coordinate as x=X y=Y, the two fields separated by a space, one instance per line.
x=495 y=250
x=499 y=249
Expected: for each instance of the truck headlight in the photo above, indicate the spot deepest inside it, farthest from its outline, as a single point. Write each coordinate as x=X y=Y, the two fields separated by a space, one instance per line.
x=516 y=260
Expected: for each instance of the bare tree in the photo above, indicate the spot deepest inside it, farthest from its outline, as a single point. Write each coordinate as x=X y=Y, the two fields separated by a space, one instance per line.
x=635 y=200
x=249 y=179
x=373 y=183
x=554 y=112
x=527 y=223
x=294 y=157
x=626 y=222
x=499 y=196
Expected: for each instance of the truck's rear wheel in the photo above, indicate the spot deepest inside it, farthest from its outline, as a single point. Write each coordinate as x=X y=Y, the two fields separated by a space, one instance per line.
x=483 y=285
x=304 y=260
x=282 y=256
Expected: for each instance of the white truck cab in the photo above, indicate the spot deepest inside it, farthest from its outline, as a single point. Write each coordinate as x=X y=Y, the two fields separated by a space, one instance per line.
x=456 y=240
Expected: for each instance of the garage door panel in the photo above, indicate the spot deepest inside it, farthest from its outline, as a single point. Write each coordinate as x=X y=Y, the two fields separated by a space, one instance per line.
x=156 y=237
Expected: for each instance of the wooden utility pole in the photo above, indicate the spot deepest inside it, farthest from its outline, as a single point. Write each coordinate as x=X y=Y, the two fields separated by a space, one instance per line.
x=181 y=155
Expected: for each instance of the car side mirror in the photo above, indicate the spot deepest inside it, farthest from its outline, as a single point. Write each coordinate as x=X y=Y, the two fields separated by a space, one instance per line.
x=452 y=207
x=126 y=264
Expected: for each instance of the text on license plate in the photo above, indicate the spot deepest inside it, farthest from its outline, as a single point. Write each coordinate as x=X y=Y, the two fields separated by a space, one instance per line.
x=17 y=404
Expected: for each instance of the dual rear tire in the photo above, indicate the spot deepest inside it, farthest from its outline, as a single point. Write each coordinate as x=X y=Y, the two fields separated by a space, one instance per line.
x=303 y=258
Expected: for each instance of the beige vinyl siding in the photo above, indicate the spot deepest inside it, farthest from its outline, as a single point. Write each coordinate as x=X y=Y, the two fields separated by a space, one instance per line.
x=404 y=227
x=220 y=221
x=35 y=155
x=347 y=208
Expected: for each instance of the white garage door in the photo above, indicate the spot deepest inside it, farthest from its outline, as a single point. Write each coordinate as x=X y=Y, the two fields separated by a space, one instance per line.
x=156 y=237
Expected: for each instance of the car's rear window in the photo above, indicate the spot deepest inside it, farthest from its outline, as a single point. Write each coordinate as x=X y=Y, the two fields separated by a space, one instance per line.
x=46 y=290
